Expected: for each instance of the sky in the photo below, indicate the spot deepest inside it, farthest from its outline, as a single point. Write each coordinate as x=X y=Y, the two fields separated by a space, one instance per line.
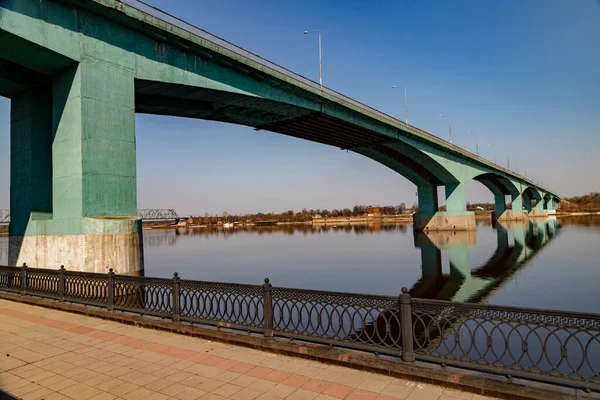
x=523 y=76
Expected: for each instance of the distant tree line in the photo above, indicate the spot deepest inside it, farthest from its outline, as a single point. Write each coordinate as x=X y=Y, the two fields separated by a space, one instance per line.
x=587 y=202
x=303 y=215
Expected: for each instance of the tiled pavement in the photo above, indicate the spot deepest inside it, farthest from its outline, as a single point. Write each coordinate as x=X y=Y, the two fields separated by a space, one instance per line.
x=51 y=355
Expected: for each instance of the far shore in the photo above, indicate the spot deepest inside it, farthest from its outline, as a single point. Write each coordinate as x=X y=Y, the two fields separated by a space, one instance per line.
x=404 y=218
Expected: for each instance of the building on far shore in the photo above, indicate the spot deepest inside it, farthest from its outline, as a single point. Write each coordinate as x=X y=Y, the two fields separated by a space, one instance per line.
x=373 y=212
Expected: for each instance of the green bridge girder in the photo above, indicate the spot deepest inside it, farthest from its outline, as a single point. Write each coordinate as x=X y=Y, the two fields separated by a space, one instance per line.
x=77 y=71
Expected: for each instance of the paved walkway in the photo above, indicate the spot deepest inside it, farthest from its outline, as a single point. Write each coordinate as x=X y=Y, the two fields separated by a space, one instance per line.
x=51 y=355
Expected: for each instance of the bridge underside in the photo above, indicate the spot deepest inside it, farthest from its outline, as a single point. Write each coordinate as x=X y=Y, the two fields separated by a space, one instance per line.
x=78 y=71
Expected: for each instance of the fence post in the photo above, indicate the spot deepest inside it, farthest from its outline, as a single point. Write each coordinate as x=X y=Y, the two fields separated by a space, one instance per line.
x=61 y=283
x=24 y=279
x=176 y=296
x=408 y=353
x=268 y=308
x=110 y=288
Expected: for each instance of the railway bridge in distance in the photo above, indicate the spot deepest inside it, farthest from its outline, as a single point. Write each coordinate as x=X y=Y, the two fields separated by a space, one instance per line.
x=77 y=71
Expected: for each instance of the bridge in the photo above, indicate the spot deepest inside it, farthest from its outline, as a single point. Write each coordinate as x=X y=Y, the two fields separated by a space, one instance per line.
x=77 y=71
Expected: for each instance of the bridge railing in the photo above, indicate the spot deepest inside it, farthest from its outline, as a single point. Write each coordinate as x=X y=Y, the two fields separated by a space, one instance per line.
x=545 y=345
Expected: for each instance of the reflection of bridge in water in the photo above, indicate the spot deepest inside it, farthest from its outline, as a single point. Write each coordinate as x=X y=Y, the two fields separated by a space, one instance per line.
x=462 y=284
x=475 y=286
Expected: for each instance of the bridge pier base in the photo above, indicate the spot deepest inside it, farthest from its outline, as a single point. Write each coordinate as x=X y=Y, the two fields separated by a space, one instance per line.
x=105 y=243
x=509 y=215
x=443 y=221
x=537 y=213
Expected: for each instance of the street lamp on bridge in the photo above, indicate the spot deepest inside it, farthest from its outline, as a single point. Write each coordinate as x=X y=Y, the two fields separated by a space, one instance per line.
x=507 y=160
x=449 y=126
x=405 y=104
x=492 y=147
x=476 y=142
x=320 y=57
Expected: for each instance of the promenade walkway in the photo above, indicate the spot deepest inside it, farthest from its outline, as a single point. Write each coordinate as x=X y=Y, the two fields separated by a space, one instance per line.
x=51 y=355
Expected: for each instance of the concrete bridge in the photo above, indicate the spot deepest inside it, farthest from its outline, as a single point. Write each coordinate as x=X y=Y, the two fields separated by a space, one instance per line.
x=77 y=71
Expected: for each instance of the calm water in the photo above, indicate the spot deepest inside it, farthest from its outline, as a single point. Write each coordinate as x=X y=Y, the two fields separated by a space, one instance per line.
x=552 y=263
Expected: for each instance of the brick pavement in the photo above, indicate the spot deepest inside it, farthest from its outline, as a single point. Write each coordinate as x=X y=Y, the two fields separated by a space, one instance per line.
x=49 y=354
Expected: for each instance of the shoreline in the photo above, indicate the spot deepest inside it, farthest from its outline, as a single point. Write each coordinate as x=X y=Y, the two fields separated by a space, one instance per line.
x=406 y=218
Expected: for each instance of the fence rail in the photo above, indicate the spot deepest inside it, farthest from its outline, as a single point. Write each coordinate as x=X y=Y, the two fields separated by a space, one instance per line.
x=551 y=346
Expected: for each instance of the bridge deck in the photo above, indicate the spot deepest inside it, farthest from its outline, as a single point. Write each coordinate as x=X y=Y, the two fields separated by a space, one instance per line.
x=58 y=355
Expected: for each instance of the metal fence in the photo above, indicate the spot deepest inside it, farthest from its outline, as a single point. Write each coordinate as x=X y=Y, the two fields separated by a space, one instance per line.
x=552 y=346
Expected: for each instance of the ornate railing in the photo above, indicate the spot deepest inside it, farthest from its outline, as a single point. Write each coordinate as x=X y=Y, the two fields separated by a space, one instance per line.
x=560 y=347
x=551 y=346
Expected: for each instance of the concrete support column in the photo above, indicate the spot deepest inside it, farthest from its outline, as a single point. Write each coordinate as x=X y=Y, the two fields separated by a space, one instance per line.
x=516 y=212
x=93 y=176
x=527 y=202
x=456 y=199
x=516 y=202
x=30 y=158
x=500 y=203
x=539 y=205
x=428 y=199
x=539 y=210
x=455 y=217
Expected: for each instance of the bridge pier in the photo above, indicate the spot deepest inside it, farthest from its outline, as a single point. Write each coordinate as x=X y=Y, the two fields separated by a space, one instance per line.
x=456 y=216
x=73 y=172
x=516 y=212
x=539 y=210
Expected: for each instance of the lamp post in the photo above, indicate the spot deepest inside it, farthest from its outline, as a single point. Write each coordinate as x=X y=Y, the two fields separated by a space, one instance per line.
x=320 y=57
x=476 y=142
x=490 y=146
x=449 y=126
x=507 y=160
x=405 y=104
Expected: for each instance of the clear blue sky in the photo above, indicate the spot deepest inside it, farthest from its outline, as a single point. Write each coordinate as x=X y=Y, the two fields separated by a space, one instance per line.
x=524 y=75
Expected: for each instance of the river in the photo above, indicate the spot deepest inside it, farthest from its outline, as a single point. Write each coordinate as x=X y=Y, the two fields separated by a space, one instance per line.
x=545 y=263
